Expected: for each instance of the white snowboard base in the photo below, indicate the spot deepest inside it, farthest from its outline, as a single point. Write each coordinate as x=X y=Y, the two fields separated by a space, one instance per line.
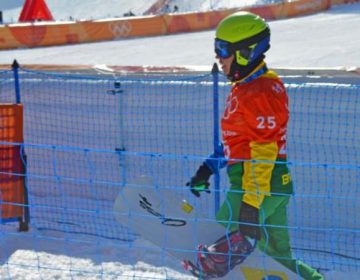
x=161 y=216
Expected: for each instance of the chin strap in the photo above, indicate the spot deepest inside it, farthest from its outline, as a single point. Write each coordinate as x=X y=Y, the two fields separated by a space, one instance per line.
x=239 y=72
x=252 y=76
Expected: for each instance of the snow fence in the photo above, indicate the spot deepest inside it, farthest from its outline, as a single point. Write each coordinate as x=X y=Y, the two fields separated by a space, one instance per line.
x=88 y=133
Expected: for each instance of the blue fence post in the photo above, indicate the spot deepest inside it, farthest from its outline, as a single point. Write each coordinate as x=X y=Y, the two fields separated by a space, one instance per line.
x=15 y=68
x=215 y=74
x=25 y=220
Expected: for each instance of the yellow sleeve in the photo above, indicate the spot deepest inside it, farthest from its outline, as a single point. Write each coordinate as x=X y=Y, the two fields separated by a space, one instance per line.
x=257 y=172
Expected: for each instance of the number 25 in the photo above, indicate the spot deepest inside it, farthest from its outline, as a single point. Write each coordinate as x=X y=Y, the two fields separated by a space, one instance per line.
x=266 y=122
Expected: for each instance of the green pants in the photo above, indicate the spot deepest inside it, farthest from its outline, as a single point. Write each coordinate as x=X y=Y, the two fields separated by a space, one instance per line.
x=275 y=240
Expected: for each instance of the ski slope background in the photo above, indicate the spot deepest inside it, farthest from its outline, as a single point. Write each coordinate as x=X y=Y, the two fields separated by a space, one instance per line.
x=328 y=39
x=98 y=9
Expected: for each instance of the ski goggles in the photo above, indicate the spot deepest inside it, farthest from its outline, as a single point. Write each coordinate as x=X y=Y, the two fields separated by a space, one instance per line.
x=225 y=49
x=222 y=48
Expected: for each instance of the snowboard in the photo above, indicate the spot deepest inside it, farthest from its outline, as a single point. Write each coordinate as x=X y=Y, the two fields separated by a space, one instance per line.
x=175 y=220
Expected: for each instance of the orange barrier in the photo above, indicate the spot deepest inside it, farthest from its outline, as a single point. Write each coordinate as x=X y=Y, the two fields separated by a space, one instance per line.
x=340 y=2
x=290 y=9
x=190 y=22
x=41 y=34
x=48 y=34
x=125 y=27
x=12 y=189
x=200 y=21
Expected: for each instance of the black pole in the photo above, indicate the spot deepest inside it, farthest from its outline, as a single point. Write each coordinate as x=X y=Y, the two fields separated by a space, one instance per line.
x=15 y=67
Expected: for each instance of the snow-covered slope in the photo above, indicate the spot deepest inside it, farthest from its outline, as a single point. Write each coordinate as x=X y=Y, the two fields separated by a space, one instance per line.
x=327 y=39
x=96 y=9
x=79 y=9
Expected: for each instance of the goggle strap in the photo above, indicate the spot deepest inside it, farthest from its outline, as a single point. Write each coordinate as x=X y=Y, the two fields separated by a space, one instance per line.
x=260 y=48
x=250 y=41
x=246 y=55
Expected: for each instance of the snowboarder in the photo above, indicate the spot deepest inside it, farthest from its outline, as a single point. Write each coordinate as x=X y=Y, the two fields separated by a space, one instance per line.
x=254 y=125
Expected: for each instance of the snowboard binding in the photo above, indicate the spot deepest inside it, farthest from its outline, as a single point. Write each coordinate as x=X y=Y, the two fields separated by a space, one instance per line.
x=216 y=260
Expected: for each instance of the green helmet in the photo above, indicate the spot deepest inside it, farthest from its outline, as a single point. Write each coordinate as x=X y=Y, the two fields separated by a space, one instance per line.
x=244 y=34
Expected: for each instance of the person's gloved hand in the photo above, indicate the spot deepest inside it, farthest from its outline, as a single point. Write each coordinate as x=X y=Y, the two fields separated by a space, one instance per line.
x=200 y=181
x=249 y=221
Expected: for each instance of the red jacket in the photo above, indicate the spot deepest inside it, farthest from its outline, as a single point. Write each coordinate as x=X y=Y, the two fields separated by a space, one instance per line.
x=254 y=131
